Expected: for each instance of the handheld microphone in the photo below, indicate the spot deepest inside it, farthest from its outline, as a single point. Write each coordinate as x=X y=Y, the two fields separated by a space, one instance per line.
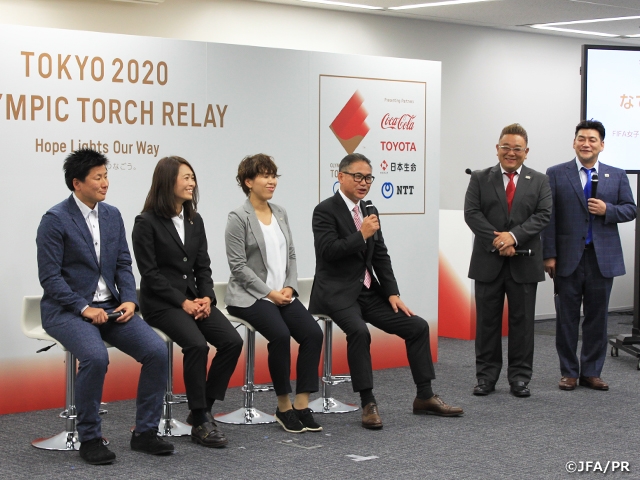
x=526 y=252
x=594 y=185
x=468 y=171
x=369 y=204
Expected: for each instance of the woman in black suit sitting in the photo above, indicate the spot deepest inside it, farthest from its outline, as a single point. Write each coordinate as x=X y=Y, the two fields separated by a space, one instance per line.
x=176 y=291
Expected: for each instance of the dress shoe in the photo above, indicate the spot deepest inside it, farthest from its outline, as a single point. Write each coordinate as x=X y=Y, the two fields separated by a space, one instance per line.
x=519 y=389
x=484 y=387
x=370 y=417
x=149 y=442
x=435 y=406
x=568 y=383
x=95 y=452
x=595 y=383
x=208 y=435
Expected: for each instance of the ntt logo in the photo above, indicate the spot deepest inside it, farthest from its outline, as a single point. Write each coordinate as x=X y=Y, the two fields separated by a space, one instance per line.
x=387 y=189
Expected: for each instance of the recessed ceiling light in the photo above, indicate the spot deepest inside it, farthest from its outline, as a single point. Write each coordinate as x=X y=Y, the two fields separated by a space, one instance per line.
x=570 y=30
x=145 y=2
x=553 y=26
x=593 y=20
x=438 y=4
x=343 y=4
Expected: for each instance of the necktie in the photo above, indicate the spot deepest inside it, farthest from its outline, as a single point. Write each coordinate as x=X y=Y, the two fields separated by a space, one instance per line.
x=358 y=222
x=587 y=196
x=511 y=188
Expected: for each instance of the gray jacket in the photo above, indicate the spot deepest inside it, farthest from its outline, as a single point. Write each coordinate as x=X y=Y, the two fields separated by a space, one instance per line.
x=247 y=255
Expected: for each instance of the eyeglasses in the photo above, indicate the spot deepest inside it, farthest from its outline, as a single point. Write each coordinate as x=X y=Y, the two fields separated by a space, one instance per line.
x=507 y=149
x=358 y=177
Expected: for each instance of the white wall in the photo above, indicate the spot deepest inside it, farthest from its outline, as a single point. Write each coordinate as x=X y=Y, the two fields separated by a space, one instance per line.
x=489 y=77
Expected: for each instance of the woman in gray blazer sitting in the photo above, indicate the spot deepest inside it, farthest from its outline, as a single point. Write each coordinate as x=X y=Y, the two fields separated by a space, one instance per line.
x=262 y=290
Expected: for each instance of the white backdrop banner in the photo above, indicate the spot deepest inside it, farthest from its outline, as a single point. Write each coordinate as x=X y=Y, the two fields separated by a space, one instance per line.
x=138 y=99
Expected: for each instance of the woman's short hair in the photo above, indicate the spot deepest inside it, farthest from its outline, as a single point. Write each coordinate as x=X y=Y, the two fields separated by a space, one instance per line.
x=161 y=197
x=253 y=165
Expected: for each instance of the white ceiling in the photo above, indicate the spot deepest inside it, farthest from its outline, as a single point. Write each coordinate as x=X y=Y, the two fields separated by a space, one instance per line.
x=513 y=14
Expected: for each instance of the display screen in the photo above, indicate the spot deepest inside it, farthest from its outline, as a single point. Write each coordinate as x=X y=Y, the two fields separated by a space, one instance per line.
x=611 y=94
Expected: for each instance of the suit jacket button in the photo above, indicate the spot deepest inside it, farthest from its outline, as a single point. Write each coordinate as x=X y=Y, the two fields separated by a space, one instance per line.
x=184 y=277
x=184 y=259
x=361 y=280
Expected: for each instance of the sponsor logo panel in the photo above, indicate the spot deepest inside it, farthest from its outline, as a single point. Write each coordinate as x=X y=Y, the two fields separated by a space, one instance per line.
x=383 y=120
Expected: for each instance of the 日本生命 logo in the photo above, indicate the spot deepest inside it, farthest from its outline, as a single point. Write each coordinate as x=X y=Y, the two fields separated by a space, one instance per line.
x=349 y=126
x=384 y=165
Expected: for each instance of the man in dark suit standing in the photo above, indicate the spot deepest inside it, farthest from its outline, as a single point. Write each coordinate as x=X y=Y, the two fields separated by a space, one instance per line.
x=84 y=267
x=582 y=252
x=506 y=207
x=354 y=284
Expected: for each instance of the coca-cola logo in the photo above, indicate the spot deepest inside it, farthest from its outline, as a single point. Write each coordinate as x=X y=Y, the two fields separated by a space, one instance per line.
x=403 y=122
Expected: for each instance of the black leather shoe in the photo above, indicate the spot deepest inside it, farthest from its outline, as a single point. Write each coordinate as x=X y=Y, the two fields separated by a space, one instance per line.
x=95 y=452
x=519 y=389
x=484 y=387
x=208 y=435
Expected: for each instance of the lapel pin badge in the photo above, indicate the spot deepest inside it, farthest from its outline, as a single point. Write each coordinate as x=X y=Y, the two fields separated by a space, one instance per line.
x=606 y=175
x=528 y=177
x=191 y=222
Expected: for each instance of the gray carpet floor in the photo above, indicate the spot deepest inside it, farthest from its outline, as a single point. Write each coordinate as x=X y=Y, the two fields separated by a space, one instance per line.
x=499 y=436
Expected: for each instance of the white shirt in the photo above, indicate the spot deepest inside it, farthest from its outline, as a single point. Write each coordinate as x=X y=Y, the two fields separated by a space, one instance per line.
x=178 y=222
x=102 y=293
x=276 y=246
x=583 y=174
x=350 y=206
x=505 y=181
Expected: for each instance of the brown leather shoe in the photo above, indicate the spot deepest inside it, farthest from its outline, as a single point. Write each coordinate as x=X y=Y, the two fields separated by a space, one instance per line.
x=370 y=417
x=594 y=383
x=435 y=406
x=568 y=383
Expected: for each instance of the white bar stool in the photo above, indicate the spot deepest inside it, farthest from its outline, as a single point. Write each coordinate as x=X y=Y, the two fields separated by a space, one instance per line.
x=248 y=414
x=31 y=324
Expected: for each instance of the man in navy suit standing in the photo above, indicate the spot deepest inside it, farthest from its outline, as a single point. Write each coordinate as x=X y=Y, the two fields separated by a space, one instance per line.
x=84 y=267
x=582 y=252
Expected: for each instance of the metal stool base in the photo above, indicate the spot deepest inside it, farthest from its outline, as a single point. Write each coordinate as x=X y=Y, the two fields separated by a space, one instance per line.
x=245 y=416
x=173 y=428
x=331 y=405
x=64 y=441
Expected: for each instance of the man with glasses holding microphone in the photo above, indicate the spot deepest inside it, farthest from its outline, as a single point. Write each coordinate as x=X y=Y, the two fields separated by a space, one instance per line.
x=355 y=285
x=506 y=207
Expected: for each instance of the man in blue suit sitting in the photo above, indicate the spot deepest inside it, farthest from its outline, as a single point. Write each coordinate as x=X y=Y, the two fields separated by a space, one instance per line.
x=84 y=267
x=582 y=252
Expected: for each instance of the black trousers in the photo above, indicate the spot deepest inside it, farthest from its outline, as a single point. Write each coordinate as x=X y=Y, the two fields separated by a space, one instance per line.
x=192 y=335
x=489 y=307
x=278 y=325
x=588 y=287
x=376 y=310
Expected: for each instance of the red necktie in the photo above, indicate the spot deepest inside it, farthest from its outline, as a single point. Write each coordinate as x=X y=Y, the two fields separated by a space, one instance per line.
x=511 y=188
x=358 y=222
